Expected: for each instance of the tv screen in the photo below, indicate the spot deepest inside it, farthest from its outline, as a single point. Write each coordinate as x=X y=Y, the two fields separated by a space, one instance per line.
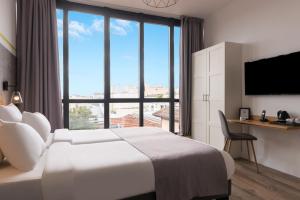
x=273 y=76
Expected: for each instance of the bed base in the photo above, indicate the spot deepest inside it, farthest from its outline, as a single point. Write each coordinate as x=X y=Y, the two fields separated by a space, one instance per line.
x=151 y=196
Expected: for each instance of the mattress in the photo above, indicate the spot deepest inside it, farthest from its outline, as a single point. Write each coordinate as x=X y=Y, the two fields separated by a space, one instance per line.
x=96 y=171
x=100 y=171
x=84 y=136
x=108 y=135
x=25 y=185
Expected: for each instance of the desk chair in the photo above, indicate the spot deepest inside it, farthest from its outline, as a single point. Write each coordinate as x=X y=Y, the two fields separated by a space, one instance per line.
x=229 y=137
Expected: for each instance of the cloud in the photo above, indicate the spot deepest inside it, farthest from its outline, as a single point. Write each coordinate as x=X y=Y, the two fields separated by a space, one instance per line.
x=77 y=29
x=123 y=23
x=97 y=25
x=118 y=30
x=120 y=27
x=80 y=30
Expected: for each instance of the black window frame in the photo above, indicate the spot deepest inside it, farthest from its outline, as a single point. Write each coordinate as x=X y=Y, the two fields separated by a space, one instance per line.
x=109 y=13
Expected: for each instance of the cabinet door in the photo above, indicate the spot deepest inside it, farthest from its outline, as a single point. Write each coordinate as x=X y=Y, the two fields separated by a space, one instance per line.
x=199 y=89
x=199 y=121
x=216 y=81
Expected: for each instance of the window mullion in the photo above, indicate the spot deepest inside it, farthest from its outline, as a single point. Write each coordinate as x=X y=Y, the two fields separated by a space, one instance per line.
x=106 y=70
x=171 y=62
x=66 y=67
x=141 y=74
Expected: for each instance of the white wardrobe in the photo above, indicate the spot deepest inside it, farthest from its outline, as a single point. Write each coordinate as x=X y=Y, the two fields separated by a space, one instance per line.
x=217 y=85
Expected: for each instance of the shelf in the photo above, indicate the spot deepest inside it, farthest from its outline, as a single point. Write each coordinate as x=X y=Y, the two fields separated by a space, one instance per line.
x=270 y=124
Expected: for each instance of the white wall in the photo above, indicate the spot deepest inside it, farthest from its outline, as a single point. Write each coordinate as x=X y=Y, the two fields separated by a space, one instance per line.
x=7 y=46
x=8 y=23
x=266 y=28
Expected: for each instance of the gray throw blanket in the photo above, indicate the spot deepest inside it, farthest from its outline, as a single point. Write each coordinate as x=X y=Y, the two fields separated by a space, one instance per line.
x=183 y=168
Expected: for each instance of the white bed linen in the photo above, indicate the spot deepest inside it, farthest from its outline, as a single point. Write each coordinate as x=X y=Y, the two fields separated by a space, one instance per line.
x=229 y=163
x=142 y=131
x=84 y=136
x=49 y=140
x=110 y=170
x=138 y=131
x=16 y=185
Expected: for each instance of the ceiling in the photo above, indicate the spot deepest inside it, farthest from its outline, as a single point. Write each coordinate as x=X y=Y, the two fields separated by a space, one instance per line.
x=195 y=8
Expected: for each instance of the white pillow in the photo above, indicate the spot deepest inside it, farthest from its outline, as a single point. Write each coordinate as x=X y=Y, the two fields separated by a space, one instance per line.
x=10 y=113
x=21 y=145
x=39 y=122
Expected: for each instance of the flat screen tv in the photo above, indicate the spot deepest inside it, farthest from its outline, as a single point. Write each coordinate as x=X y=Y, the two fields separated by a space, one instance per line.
x=273 y=76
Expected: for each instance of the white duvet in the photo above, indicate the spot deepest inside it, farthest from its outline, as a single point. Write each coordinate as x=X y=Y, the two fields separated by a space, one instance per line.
x=111 y=170
x=108 y=170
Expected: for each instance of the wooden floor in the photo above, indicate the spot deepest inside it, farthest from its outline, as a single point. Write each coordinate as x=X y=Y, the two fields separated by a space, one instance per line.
x=268 y=184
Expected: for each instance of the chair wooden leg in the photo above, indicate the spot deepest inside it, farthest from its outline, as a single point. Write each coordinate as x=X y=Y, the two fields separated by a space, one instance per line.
x=254 y=156
x=225 y=146
x=229 y=146
x=247 y=142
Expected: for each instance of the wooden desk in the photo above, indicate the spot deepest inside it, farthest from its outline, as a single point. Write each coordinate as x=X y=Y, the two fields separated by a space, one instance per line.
x=255 y=122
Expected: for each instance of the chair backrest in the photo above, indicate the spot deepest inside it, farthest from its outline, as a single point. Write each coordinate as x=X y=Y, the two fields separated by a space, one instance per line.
x=224 y=124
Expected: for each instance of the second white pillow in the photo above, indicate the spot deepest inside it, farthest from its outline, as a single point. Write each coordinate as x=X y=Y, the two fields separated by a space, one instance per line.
x=21 y=144
x=39 y=122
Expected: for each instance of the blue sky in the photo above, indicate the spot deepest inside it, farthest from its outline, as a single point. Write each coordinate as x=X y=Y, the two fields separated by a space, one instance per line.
x=86 y=53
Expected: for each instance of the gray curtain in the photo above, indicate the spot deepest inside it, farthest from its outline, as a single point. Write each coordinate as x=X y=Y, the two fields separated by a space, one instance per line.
x=191 y=41
x=37 y=59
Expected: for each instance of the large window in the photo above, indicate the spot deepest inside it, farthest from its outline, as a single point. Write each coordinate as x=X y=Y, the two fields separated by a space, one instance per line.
x=117 y=69
x=124 y=58
x=86 y=116
x=157 y=65
x=86 y=56
x=157 y=115
x=176 y=60
x=124 y=115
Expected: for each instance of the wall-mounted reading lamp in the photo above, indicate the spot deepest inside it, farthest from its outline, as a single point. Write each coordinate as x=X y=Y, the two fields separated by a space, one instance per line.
x=16 y=97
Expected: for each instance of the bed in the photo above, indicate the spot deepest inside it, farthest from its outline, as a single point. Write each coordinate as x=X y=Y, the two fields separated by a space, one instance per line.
x=87 y=165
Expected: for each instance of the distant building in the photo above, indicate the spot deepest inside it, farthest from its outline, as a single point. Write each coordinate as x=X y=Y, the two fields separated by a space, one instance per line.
x=164 y=114
x=132 y=120
x=156 y=91
x=156 y=114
